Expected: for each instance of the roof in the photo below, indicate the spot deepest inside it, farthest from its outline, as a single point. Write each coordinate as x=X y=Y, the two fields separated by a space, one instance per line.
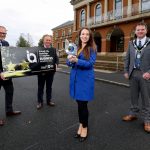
x=64 y=24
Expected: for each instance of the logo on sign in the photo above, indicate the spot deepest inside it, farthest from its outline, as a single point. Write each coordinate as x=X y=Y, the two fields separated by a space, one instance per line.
x=31 y=57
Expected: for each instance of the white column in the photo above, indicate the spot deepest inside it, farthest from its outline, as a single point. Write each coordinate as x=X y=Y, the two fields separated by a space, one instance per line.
x=74 y=25
x=88 y=15
x=105 y=9
x=129 y=10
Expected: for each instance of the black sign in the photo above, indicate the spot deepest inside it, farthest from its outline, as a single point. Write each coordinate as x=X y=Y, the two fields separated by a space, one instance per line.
x=17 y=62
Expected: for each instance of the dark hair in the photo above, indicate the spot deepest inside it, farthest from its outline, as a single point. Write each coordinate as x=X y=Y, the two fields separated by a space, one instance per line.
x=141 y=24
x=90 y=43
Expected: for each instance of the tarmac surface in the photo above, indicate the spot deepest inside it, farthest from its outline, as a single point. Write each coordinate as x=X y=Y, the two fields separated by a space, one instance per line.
x=52 y=128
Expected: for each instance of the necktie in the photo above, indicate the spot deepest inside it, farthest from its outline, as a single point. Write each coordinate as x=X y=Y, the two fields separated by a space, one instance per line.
x=140 y=45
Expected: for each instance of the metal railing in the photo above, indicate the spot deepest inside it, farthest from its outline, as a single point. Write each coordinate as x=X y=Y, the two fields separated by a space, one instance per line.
x=125 y=12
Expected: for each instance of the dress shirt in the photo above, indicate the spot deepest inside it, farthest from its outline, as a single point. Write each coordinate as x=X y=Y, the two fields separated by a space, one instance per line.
x=142 y=41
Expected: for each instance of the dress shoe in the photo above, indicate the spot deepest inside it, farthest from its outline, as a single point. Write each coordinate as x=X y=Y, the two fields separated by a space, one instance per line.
x=82 y=139
x=2 y=122
x=39 y=106
x=129 y=118
x=77 y=135
x=83 y=135
x=51 y=104
x=147 y=127
x=13 y=113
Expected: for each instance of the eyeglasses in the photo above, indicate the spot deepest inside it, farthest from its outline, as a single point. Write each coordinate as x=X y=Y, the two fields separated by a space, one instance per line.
x=3 y=33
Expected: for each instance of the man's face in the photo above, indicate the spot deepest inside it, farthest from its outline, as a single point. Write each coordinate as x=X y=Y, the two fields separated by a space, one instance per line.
x=3 y=33
x=47 y=41
x=140 y=31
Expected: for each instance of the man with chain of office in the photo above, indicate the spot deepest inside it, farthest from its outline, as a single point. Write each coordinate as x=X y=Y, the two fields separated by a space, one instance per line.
x=137 y=70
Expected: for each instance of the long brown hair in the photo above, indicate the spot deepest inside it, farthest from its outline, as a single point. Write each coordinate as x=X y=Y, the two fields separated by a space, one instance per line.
x=90 y=43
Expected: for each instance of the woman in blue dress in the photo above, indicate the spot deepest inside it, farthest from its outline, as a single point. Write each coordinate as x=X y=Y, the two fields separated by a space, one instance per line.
x=82 y=78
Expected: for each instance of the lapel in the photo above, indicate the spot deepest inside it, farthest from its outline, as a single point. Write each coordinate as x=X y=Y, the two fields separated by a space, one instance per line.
x=133 y=50
x=146 y=43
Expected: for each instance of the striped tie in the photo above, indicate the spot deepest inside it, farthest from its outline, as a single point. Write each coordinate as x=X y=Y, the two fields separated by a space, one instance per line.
x=140 y=45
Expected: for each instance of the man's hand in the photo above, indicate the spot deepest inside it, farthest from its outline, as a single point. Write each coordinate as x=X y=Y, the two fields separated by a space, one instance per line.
x=2 y=76
x=146 y=76
x=126 y=75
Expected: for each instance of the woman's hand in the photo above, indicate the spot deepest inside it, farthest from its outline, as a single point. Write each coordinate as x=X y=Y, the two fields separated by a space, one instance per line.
x=72 y=58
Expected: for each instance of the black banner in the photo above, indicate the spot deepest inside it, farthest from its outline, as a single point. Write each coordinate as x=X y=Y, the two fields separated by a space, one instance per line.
x=18 y=61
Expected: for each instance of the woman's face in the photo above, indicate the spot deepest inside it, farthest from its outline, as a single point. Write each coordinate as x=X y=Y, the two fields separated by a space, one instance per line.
x=84 y=36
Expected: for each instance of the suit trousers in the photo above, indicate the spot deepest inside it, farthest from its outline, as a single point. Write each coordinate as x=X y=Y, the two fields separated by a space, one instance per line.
x=42 y=79
x=83 y=113
x=9 y=90
x=140 y=86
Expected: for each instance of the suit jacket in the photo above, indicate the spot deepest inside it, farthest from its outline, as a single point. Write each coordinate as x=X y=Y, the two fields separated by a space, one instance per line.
x=131 y=54
x=2 y=43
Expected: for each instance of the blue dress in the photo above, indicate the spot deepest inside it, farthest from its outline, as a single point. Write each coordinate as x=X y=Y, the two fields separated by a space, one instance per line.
x=82 y=77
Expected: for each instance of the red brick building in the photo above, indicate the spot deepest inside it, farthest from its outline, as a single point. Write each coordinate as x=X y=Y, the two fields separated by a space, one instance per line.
x=62 y=32
x=112 y=21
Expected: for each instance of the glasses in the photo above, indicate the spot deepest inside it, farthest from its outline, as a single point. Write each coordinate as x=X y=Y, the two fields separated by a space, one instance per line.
x=3 y=33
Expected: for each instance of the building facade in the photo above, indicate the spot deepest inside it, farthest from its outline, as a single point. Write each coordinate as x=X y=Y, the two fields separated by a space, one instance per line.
x=62 y=32
x=112 y=21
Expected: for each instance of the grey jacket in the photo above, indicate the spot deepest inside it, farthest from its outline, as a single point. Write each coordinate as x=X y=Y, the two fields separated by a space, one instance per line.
x=131 y=54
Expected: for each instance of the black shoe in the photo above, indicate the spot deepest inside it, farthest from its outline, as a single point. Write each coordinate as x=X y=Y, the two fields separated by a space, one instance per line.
x=82 y=139
x=52 y=104
x=77 y=135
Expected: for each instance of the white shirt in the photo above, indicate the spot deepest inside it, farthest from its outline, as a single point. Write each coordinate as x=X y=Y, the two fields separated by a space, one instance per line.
x=142 y=41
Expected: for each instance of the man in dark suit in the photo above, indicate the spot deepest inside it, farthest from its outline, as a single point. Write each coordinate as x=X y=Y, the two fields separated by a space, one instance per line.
x=137 y=70
x=47 y=77
x=6 y=83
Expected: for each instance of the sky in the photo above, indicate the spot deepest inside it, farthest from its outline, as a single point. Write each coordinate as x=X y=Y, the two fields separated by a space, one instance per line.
x=33 y=18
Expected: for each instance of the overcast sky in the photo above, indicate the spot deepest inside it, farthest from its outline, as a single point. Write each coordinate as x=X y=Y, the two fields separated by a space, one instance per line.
x=34 y=17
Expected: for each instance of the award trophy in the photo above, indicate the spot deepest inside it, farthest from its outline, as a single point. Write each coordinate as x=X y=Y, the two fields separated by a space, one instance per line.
x=70 y=48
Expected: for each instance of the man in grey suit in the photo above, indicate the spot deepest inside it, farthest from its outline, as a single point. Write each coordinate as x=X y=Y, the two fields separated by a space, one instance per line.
x=137 y=70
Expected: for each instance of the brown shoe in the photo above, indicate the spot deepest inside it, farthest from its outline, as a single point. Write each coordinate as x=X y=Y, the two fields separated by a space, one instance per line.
x=52 y=104
x=129 y=118
x=147 y=127
x=13 y=113
x=39 y=106
x=2 y=122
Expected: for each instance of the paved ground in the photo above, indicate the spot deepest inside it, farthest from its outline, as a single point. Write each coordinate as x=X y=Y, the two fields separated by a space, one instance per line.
x=53 y=128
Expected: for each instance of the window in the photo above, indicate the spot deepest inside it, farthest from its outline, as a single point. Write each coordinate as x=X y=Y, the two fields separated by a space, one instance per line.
x=118 y=9
x=69 y=31
x=63 y=45
x=63 y=32
x=98 y=11
x=58 y=46
x=145 y=5
x=56 y=34
x=82 y=21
